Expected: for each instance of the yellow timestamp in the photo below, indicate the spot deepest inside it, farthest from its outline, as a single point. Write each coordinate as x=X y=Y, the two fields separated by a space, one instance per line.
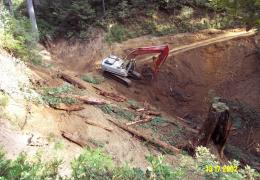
x=222 y=169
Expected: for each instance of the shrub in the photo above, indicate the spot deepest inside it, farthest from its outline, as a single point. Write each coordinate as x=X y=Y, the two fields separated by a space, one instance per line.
x=117 y=33
x=92 y=164
x=160 y=29
x=94 y=79
x=160 y=170
x=3 y=99
x=16 y=37
x=23 y=168
x=125 y=114
x=71 y=18
x=52 y=96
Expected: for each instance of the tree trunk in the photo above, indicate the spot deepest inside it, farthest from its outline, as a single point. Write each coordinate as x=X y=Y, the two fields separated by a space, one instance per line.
x=1 y=6
x=104 y=7
x=33 y=19
x=11 y=9
x=216 y=127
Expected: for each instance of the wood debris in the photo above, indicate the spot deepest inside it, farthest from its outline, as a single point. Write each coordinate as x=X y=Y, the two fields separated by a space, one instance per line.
x=66 y=107
x=153 y=113
x=148 y=119
x=148 y=138
x=110 y=95
x=74 y=80
x=91 y=100
x=75 y=138
x=98 y=125
x=87 y=100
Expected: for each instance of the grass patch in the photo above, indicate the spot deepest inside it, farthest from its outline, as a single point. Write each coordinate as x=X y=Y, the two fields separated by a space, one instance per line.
x=119 y=112
x=52 y=97
x=94 y=79
x=154 y=123
x=134 y=104
x=172 y=135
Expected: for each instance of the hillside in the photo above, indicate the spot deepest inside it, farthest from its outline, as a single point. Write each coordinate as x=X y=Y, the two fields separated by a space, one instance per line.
x=73 y=122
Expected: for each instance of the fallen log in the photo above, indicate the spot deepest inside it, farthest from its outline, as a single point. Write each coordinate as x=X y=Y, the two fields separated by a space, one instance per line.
x=139 y=121
x=153 y=113
x=110 y=95
x=91 y=101
x=74 y=80
x=98 y=125
x=87 y=100
x=146 y=137
x=75 y=138
x=65 y=107
x=140 y=109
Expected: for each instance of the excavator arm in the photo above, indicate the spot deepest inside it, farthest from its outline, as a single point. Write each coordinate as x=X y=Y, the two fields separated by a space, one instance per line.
x=163 y=51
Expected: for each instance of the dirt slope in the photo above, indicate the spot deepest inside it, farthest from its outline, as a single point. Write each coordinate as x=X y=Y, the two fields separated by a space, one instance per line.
x=228 y=69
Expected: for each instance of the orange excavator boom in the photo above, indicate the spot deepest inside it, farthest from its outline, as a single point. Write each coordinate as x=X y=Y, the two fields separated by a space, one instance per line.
x=162 y=49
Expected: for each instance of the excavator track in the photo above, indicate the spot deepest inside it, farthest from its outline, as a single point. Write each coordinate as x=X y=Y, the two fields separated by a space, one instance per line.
x=123 y=80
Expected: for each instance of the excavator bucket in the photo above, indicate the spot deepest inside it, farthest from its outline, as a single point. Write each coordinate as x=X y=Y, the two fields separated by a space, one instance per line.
x=147 y=73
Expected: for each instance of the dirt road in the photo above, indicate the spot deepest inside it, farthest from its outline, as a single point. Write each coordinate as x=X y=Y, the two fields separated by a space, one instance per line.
x=224 y=37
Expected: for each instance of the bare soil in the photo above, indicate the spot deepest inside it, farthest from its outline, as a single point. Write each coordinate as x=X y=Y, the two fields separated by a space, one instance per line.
x=183 y=88
x=188 y=81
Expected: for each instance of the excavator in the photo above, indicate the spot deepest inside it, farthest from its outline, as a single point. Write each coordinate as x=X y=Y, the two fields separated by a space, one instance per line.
x=121 y=69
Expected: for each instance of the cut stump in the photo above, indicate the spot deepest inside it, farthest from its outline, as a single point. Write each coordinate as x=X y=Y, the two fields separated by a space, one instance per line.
x=216 y=127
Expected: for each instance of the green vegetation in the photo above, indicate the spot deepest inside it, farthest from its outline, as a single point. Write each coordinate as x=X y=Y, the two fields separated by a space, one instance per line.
x=3 y=99
x=131 y=18
x=236 y=11
x=94 y=164
x=24 y=168
x=154 y=123
x=134 y=104
x=16 y=37
x=121 y=20
x=113 y=110
x=52 y=96
x=94 y=79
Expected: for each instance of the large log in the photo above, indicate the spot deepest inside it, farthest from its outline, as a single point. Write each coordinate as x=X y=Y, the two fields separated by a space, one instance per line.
x=74 y=80
x=75 y=138
x=69 y=108
x=110 y=95
x=91 y=101
x=98 y=125
x=86 y=99
x=146 y=137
